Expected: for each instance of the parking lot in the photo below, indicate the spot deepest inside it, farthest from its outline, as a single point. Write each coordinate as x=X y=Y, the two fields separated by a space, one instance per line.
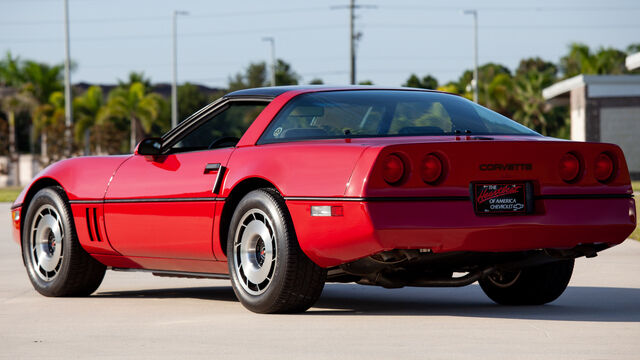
x=136 y=315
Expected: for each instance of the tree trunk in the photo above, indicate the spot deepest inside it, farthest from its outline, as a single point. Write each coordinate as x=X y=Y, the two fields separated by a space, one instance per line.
x=14 y=157
x=44 y=157
x=133 y=134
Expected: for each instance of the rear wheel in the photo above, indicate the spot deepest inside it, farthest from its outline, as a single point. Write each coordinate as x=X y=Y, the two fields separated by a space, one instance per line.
x=269 y=272
x=56 y=263
x=535 y=285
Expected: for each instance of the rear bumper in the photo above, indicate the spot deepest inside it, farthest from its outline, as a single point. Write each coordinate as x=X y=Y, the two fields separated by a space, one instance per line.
x=368 y=227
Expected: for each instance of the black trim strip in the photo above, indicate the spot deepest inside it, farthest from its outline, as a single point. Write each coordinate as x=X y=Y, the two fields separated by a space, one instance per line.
x=452 y=198
x=583 y=196
x=379 y=199
x=15 y=206
x=89 y=224
x=95 y=225
x=86 y=201
x=117 y=201
x=111 y=201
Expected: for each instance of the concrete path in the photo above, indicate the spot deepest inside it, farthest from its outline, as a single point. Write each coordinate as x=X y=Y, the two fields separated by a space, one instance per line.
x=134 y=315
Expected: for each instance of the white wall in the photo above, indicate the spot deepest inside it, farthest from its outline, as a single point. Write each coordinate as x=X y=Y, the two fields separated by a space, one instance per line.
x=29 y=167
x=621 y=126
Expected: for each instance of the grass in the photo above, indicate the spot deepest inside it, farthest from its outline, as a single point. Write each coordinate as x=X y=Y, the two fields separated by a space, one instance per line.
x=9 y=194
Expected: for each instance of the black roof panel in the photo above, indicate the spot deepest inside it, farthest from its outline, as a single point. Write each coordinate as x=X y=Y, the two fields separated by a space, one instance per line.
x=266 y=91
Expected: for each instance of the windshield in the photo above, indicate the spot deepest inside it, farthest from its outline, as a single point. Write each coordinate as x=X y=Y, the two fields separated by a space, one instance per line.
x=380 y=113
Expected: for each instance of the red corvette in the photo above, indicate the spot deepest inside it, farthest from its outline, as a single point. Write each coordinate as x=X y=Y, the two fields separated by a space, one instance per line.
x=381 y=187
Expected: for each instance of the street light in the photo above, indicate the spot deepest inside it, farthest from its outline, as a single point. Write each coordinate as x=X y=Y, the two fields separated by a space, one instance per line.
x=174 y=85
x=273 y=58
x=68 y=109
x=475 y=52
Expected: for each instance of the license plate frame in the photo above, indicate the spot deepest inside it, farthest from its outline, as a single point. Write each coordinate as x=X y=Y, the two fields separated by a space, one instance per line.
x=502 y=198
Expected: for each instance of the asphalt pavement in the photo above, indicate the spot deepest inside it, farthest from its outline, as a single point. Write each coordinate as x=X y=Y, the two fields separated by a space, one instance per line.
x=137 y=315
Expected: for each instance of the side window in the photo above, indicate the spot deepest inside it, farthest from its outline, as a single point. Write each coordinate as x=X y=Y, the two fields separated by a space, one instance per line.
x=222 y=130
x=330 y=120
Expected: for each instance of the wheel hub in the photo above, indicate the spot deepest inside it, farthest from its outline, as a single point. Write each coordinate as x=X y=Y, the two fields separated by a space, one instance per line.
x=254 y=252
x=45 y=244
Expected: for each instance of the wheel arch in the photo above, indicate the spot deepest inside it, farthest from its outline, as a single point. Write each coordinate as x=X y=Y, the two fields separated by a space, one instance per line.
x=38 y=185
x=241 y=189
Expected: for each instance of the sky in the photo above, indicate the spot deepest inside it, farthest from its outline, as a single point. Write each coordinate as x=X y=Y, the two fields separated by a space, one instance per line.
x=218 y=39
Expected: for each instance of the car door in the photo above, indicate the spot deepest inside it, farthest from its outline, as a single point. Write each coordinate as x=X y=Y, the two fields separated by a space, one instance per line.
x=163 y=206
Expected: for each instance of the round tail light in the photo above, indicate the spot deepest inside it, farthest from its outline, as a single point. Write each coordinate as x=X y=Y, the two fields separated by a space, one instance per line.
x=431 y=169
x=604 y=167
x=393 y=169
x=569 y=167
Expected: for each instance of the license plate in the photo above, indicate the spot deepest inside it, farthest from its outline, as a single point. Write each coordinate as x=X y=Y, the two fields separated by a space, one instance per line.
x=502 y=198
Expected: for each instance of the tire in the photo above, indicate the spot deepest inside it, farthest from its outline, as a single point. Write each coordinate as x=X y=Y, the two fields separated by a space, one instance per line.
x=56 y=263
x=530 y=286
x=268 y=270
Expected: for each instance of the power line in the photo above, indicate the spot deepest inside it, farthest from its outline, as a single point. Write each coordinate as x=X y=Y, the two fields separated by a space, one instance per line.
x=540 y=27
x=166 y=18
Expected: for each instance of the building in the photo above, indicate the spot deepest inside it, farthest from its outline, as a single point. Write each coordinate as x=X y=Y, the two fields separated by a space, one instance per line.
x=604 y=108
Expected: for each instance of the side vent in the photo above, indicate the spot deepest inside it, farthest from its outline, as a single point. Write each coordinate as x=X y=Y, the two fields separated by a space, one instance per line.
x=92 y=214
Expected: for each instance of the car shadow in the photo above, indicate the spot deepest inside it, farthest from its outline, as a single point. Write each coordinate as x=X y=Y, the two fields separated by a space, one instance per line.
x=217 y=293
x=578 y=303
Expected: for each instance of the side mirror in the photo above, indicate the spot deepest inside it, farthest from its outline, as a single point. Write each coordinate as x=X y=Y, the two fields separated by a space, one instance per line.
x=149 y=146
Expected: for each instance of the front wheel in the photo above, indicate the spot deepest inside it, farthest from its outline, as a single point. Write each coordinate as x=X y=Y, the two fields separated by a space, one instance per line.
x=56 y=262
x=269 y=272
x=534 y=285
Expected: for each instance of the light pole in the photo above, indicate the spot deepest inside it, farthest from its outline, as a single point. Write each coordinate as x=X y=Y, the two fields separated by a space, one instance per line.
x=273 y=58
x=68 y=109
x=353 y=36
x=475 y=52
x=174 y=85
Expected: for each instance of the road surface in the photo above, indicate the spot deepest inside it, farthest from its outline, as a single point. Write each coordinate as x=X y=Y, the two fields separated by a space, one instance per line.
x=136 y=315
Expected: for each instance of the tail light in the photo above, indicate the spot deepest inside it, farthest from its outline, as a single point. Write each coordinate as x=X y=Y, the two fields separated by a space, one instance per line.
x=569 y=167
x=431 y=169
x=393 y=169
x=603 y=167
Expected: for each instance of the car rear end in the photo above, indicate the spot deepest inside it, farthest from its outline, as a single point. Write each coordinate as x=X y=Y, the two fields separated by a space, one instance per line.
x=498 y=194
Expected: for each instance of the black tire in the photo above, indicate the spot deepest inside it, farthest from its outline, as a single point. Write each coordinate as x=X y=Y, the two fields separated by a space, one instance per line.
x=56 y=263
x=270 y=275
x=535 y=285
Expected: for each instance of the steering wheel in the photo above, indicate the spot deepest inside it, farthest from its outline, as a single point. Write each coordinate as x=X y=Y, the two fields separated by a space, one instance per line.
x=224 y=141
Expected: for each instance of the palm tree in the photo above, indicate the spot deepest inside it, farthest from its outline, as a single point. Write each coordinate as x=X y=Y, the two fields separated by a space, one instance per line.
x=86 y=109
x=581 y=60
x=135 y=104
x=49 y=125
x=43 y=79
x=135 y=77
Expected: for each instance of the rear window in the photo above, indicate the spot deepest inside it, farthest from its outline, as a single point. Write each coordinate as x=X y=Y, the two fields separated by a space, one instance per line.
x=380 y=113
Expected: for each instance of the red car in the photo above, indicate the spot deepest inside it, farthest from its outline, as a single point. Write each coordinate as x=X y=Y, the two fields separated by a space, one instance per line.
x=395 y=188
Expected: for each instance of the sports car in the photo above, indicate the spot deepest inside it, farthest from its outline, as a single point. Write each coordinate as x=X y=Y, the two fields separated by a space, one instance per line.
x=388 y=187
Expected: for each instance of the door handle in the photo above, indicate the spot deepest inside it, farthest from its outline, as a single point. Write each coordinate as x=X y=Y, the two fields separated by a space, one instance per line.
x=211 y=168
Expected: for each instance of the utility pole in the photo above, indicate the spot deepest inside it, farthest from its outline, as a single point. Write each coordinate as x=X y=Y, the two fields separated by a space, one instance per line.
x=475 y=52
x=68 y=109
x=174 y=82
x=353 y=36
x=273 y=58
